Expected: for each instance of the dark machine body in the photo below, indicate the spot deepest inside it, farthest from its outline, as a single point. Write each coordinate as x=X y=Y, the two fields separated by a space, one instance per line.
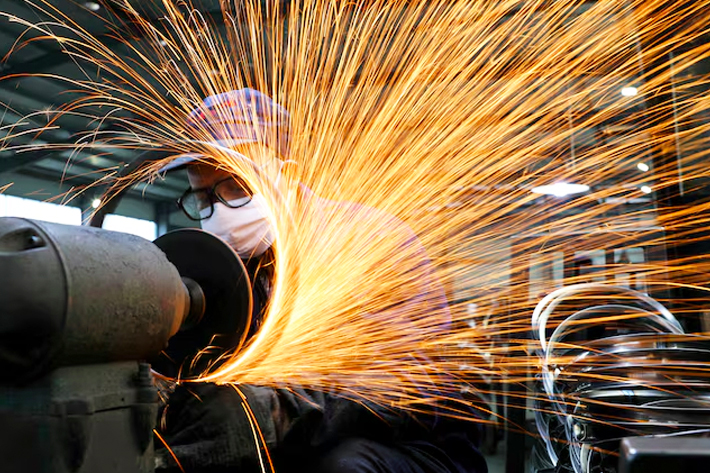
x=84 y=312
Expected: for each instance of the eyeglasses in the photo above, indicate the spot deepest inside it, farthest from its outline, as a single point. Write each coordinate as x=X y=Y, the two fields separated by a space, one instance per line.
x=198 y=204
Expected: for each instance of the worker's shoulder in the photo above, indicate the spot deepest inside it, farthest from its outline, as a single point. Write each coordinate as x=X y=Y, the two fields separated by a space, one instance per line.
x=358 y=220
x=377 y=220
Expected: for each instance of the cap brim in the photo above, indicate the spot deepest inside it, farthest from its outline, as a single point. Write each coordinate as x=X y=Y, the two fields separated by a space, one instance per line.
x=185 y=159
x=180 y=161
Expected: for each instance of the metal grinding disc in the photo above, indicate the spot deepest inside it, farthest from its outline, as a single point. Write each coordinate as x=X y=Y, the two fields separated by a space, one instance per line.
x=213 y=264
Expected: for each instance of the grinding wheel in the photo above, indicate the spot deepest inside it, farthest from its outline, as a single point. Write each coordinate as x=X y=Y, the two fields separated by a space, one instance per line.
x=213 y=264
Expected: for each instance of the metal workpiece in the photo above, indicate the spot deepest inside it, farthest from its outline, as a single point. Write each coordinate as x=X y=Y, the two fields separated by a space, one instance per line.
x=73 y=295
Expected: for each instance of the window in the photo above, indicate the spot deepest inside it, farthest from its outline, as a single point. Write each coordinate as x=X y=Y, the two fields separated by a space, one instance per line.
x=11 y=206
x=135 y=226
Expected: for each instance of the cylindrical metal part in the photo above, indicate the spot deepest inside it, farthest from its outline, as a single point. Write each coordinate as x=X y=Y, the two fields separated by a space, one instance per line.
x=71 y=295
x=196 y=309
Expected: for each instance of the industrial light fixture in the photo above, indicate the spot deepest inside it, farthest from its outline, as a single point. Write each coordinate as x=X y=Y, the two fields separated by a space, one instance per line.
x=561 y=189
x=629 y=91
x=93 y=6
x=646 y=189
x=96 y=203
x=643 y=167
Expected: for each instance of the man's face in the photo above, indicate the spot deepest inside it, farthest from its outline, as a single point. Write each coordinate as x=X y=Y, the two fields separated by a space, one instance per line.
x=224 y=206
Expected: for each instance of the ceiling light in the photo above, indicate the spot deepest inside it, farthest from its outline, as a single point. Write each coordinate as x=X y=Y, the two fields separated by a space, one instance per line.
x=93 y=6
x=96 y=203
x=643 y=167
x=561 y=189
x=646 y=189
x=162 y=43
x=629 y=91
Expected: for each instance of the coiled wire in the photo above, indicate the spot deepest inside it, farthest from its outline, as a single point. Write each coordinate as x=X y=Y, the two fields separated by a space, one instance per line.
x=613 y=363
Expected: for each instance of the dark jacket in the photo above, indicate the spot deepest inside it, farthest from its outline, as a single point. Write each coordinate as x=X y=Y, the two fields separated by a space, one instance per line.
x=211 y=428
x=214 y=428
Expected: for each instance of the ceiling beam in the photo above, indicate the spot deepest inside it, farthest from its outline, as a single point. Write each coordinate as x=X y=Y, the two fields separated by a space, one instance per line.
x=154 y=192
x=19 y=160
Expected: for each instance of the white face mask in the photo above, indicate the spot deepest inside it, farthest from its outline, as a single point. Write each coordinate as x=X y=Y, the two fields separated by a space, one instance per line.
x=245 y=228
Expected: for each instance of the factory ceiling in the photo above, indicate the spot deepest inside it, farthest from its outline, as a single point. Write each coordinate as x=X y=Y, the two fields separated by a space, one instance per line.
x=29 y=100
x=21 y=96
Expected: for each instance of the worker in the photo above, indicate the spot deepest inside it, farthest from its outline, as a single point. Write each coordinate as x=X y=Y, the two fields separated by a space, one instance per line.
x=206 y=426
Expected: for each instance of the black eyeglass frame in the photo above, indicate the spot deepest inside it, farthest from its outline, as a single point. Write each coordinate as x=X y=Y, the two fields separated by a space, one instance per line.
x=213 y=197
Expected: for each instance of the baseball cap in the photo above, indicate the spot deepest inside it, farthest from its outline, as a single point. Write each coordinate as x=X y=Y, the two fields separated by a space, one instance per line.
x=238 y=117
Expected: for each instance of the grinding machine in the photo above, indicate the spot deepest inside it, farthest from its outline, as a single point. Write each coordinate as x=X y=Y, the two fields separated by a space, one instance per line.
x=89 y=317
